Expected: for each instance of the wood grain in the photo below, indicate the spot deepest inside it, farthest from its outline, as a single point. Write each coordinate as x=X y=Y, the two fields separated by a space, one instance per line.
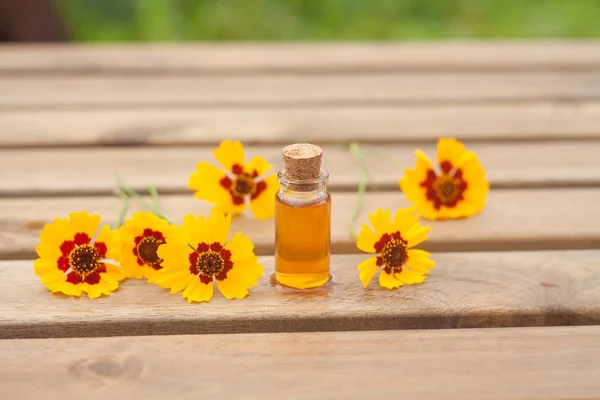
x=76 y=171
x=236 y=58
x=42 y=92
x=383 y=123
x=511 y=363
x=512 y=220
x=466 y=290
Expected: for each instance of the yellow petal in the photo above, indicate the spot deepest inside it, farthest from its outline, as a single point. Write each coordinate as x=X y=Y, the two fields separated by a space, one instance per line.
x=69 y=289
x=419 y=266
x=472 y=170
x=84 y=222
x=130 y=265
x=410 y=277
x=48 y=251
x=367 y=270
x=241 y=248
x=178 y=286
x=417 y=235
x=201 y=292
x=233 y=286
x=240 y=278
x=450 y=150
x=388 y=281
x=56 y=233
x=115 y=272
x=175 y=255
x=206 y=182
x=410 y=184
x=52 y=277
x=380 y=220
x=419 y=261
x=246 y=273
x=418 y=254
x=404 y=220
x=218 y=227
x=110 y=239
x=42 y=266
x=366 y=239
x=229 y=154
x=190 y=288
x=263 y=205
x=195 y=230
x=258 y=165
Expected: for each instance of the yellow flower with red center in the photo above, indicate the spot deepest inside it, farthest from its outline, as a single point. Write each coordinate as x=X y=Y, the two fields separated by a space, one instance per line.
x=141 y=236
x=71 y=261
x=457 y=190
x=393 y=242
x=199 y=253
x=229 y=190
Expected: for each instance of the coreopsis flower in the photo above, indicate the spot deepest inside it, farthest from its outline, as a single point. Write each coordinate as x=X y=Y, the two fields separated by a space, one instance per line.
x=239 y=183
x=198 y=254
x=72 y=256
x=457 y=189
x=141 y=236
x=393 y=242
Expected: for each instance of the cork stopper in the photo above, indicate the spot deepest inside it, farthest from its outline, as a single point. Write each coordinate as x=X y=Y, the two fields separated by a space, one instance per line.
x=302 y=161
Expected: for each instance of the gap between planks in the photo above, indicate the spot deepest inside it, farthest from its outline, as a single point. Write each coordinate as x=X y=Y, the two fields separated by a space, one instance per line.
x=93 y=171
x=465 y=290
x=185 y=126
x=548 y=363
x=261 y=58
x=512 y=220
x=83 y=93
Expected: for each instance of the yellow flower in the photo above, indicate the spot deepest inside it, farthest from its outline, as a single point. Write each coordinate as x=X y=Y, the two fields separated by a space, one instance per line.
x=141 y=237
x=71 y=262
x=241 y=182
x=198 y=252
x=393 y=241
x=459 y=189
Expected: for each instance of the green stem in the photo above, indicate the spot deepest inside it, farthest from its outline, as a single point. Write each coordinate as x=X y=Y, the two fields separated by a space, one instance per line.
x=124 y=208
x=362 y=185
x=155 y=208
x=155 y=203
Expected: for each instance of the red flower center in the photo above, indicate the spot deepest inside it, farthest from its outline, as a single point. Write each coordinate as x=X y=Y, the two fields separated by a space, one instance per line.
x=84 y=260
x=210 y=260
x=446 y=188
x=243 y=185
x=210 y=263
x=147 y=250
x=394 y=254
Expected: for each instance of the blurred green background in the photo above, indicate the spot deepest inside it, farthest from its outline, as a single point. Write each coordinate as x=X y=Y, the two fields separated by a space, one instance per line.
x=273 y=20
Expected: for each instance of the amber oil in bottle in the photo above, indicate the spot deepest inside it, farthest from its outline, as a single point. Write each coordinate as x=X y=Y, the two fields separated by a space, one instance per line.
x=302 y=220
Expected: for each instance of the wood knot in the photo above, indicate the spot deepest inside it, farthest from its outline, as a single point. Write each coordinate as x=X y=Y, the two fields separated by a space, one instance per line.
x=106 y=368
x=35 y=225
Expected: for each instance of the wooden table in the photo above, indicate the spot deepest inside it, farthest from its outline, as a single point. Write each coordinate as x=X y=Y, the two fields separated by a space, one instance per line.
x=523 y=276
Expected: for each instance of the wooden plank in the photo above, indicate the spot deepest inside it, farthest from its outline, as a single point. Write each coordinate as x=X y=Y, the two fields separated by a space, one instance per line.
x=75 y=171
x=279 y=91
x=228 y=58
x=383 y=123
x=466 y=290
x=512 y=220
x=518 y=363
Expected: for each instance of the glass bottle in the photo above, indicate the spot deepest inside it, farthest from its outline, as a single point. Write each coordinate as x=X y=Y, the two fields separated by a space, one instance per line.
x=302 y=226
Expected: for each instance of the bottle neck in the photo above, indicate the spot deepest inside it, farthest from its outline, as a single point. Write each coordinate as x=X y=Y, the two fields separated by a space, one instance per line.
x=305 y=187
